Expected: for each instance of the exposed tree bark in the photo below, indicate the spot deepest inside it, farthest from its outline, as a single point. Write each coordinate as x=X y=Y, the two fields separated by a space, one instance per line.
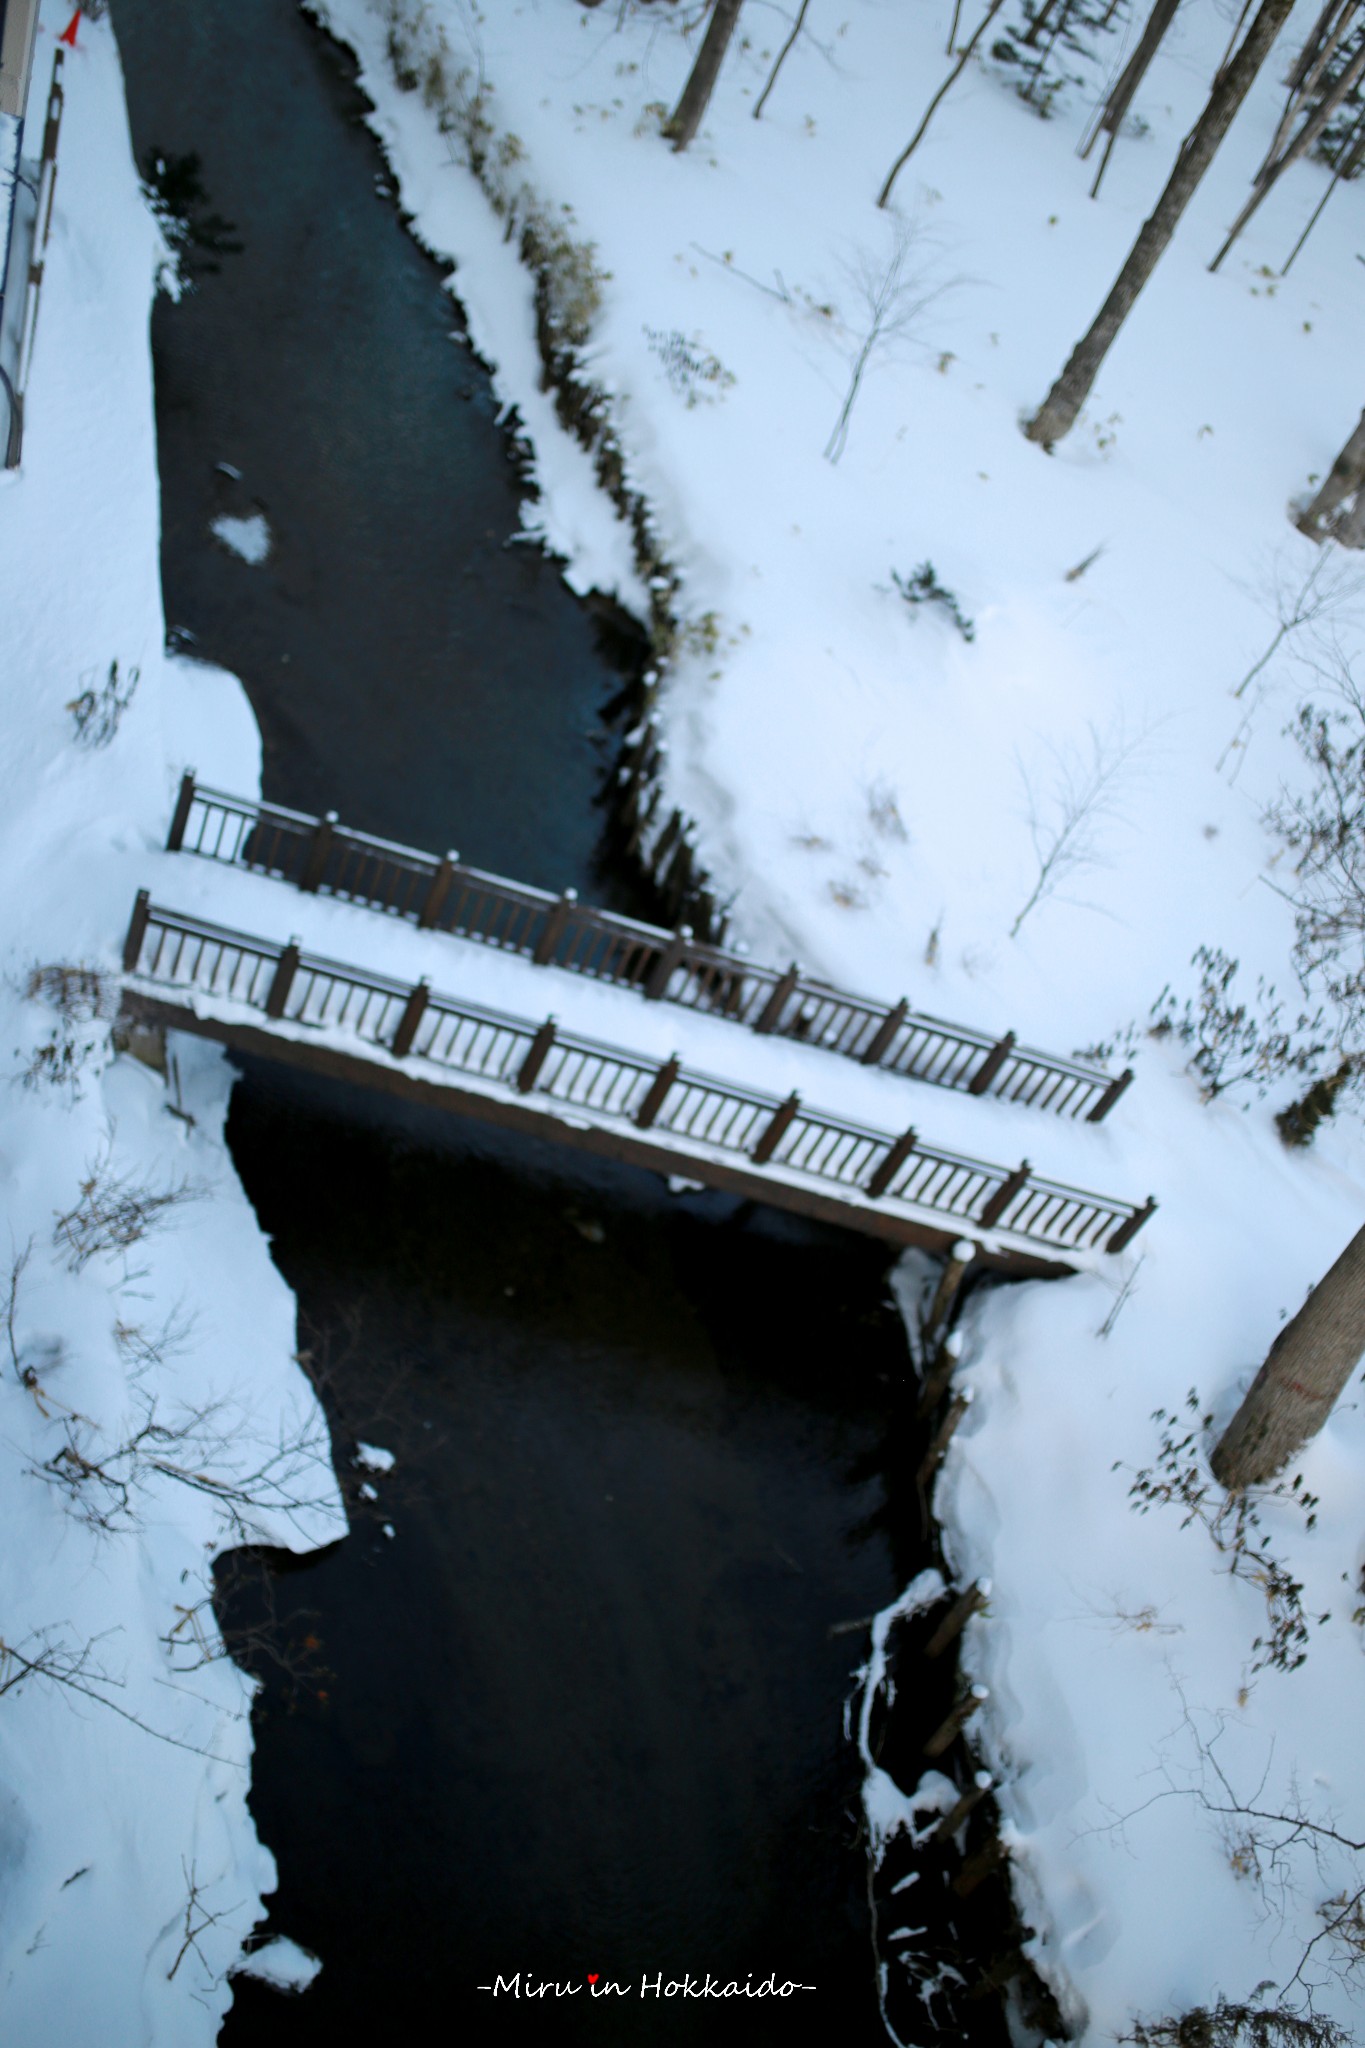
x=1039 y=22
x=1129 y=79
x=1057 y=414
x=1316 y=54
x=1312 y=128
x=1307 y=1367
x=913 y=144
x=797 y=26
x=1343 y=480
x=696 y=94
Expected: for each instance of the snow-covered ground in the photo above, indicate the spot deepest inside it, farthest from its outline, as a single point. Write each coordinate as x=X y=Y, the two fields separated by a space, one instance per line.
x=150 y=1409
x=872 y=784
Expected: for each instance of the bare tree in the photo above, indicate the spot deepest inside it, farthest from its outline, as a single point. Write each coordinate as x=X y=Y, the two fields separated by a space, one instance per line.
x=1057 y=414
x=1348 y=159
x=782 y=55
x=892 y=295
x=1066 y=819
x=1305 y=1371
x=1115 y=110
x=686 y=117
x=1322 y=515
x=1324 y=592
x=913 y=144
x=1288 y=150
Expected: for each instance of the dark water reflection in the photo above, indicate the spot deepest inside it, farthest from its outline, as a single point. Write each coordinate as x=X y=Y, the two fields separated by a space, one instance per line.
x=409 y=668
x=585 y=1703
x=584 y=1708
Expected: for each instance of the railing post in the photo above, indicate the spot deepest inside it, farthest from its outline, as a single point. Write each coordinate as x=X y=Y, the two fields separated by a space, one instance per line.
x=286 y=967
x=311 y=879
x=667 y=963
x=959 y=1614
x=137 y=930
x=550 y=937
x=180 y=818
x=413 y=1012
x=884 y=1036
x=1110 y=1097
x=891 y=1162
x=945 y=1294
x=954 y=1722
x=978 y=1868
x=991 y=1065
x=981 y=1784
x=658 y=1092
x=939 y=1376
x=439 y=889
x=537 y=1055
x=1004 y=1195
x=933 y=1457
x=1131 y=1225
x=775 y=1129
x=770 y=1016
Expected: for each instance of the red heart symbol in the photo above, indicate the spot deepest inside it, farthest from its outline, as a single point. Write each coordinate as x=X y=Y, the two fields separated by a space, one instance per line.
x=594 y=1977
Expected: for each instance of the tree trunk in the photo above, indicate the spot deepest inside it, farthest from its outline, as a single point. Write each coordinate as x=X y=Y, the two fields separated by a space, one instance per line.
x=1130 y=78
x=1306 y=137
x=1306 y=1370
x=1057 y=414
x=782 y=55
x=1317 y=53
x=696 y=94
x=913 y=144
x=1343 y=480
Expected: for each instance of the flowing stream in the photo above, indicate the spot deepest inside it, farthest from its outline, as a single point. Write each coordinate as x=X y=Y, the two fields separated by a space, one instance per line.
x=570 y=1698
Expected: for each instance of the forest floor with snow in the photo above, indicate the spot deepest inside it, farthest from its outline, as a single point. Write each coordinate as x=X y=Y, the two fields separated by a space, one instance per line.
x=151 y=1412
x=879 y=791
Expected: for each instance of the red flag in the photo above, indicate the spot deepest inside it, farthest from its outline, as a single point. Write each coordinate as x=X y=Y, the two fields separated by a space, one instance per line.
x=68 y=34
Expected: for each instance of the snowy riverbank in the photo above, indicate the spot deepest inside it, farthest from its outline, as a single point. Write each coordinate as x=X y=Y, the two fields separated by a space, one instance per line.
x=876 y=786
x=152 y=1412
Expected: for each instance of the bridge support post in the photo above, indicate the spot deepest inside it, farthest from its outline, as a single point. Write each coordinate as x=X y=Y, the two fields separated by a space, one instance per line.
x=537 y=1054
x=658 y=1092
x=776 y=1129
x=890 y=1163
x=137 y=931
x=991 y=1065
x=175 y=838
x=414 y=1011
x=434 y=901
x=1004 y=1195
x=548 y=942
x=1131 y=1225
x=311 y=878
x=1110 y=1097
x=770 y=1016
x=286 y=968
x=884 y=1036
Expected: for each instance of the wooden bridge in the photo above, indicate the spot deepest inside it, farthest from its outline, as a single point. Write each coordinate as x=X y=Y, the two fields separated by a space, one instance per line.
x=263 y=997
x=322 y=855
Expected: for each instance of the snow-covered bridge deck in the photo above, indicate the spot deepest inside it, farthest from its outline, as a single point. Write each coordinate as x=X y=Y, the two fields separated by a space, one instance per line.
x=321 y=856
x=383 y=1030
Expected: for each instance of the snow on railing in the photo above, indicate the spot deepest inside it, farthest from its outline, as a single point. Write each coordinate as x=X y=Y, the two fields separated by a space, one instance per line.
x=320 y=854
x=289 y=987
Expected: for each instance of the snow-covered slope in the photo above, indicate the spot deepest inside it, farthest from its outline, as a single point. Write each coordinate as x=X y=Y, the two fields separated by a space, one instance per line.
x=150 y=1409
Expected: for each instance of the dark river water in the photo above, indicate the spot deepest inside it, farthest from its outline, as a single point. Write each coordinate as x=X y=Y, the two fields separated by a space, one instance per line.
x=582 y=1709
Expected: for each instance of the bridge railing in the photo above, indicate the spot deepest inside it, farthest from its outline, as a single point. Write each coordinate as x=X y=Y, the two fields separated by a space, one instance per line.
x=287 y=986
x=446 y=895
